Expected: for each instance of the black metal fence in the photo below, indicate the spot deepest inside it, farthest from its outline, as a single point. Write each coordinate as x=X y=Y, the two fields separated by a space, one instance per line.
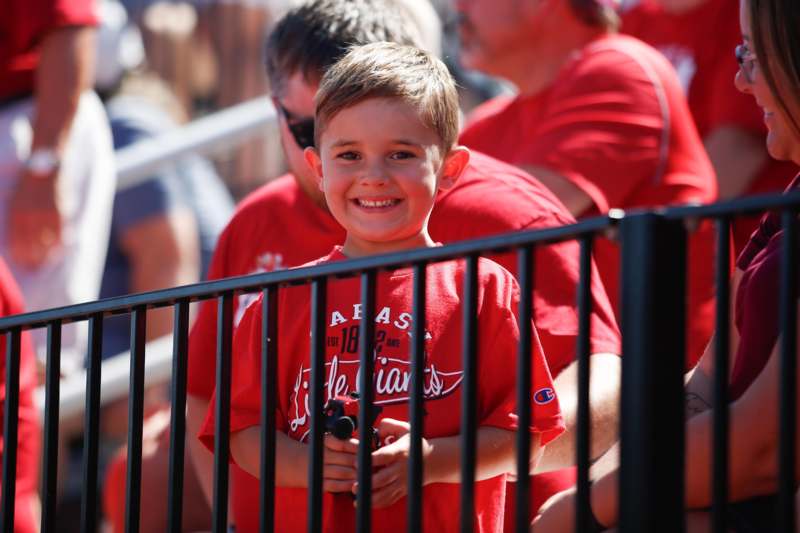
x=653 y=247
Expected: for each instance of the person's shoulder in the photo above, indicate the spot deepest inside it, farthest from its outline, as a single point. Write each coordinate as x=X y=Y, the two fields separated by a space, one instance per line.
x=498 y=286
x=618 y=59
x=488 y=109
x=334 y=255
x=492 y=277
x=278 y=197
x=518 y=199
x=275 y=197
x=280 y=192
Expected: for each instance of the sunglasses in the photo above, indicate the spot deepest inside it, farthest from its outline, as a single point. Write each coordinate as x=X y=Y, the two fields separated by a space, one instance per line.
x=747 y=62
x=302 y=129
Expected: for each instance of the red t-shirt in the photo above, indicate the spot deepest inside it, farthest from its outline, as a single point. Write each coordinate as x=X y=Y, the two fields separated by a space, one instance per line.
x=706 y=68
x=278 y=226
x=756 y=312
x=614 y=123
x=498 y=299
x=29 y=430
x=23 y=27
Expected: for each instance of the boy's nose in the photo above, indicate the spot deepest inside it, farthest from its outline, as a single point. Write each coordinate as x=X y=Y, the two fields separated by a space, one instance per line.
x=375 y=174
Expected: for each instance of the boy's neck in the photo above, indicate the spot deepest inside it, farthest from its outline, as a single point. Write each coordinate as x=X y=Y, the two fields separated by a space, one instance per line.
x=354 y=247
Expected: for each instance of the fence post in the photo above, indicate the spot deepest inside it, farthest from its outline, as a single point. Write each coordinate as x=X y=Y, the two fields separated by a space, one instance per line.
x=653 y=348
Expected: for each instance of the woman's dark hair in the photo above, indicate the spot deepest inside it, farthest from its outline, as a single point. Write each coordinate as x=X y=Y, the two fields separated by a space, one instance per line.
x=775 y=27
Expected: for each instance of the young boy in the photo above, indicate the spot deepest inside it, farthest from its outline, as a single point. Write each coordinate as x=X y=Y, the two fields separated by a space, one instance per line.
x=385 y=129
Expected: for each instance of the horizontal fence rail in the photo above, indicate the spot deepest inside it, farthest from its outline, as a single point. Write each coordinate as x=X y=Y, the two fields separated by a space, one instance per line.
x=208 y=136
x=653 y=245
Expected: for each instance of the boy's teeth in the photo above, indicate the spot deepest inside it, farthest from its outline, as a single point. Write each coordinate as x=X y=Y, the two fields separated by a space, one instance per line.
x=376 y=203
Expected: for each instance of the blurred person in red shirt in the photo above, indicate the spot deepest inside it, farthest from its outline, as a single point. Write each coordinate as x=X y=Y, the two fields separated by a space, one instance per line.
x=730 y=124
x=26 y=503
x=600 y=119
x=287 y=223
x=56 y=160
x=768 y=72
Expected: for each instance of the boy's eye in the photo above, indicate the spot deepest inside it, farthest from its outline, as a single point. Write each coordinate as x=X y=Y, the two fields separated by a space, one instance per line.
x=402 y=155
x=347 y=156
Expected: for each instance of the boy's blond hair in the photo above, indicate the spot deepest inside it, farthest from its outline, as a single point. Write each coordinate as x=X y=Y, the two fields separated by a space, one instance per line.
x=390 y=70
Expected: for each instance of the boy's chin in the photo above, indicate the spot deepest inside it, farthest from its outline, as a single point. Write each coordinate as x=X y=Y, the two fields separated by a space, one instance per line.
x=375 y=242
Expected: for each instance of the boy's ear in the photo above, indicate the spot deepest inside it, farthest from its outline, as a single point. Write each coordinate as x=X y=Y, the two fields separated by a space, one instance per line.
x=455 y=162
x=314 y=162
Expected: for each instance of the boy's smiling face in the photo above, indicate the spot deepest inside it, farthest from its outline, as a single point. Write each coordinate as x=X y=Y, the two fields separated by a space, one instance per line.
x=380 y=168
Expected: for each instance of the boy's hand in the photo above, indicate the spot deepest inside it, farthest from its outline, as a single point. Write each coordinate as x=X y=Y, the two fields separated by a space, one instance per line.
x=390 y=481
x=339 y=464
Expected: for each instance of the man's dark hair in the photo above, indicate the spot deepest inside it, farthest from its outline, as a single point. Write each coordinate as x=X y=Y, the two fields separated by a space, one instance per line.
x=597 y=13
x=312 y=37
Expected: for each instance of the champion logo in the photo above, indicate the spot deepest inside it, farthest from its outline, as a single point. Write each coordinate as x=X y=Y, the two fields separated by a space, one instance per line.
x=543 y=396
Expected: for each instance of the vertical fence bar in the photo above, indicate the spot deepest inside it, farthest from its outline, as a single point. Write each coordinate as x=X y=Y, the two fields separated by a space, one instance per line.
x=788 y=383
x=91 y=435
x=653 y=347
x=51 y=404
x=584 y=435
x=222 y=412
x=469 y=397
x=177 y=437
x=524 y=383
x=269 y=398
x=366 y=399
x=719 y=499
x=318 y=311
x=10 y=429
x=416 y=407
x=133 y=489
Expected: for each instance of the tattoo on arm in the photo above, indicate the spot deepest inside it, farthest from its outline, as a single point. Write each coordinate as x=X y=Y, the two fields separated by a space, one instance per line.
x=695 y=404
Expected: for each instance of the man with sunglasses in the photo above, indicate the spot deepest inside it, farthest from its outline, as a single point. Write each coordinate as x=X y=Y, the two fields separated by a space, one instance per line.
x=286 y=223
x=730 y=124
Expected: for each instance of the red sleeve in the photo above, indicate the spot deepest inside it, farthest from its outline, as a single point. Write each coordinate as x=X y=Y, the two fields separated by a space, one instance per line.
x=203 y=337
x=73 y=13
x=245 y=379
x=604 y=128
x=29 y=428
x=498 y=384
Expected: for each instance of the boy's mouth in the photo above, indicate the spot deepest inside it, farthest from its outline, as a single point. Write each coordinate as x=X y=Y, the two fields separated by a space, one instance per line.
x=382 y=203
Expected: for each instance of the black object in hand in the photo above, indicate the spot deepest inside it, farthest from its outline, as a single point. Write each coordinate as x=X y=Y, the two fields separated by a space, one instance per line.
x=341 y=417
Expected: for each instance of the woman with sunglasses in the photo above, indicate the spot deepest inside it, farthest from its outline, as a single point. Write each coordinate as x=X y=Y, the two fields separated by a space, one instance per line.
x=769 y=61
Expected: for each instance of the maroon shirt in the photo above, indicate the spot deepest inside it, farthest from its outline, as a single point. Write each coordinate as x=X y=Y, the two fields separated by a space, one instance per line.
x=756 y=312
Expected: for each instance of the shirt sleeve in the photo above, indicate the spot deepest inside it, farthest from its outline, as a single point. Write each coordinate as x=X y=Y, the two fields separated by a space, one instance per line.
x=604 y=128
x=74 y=13
x=498 y=387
